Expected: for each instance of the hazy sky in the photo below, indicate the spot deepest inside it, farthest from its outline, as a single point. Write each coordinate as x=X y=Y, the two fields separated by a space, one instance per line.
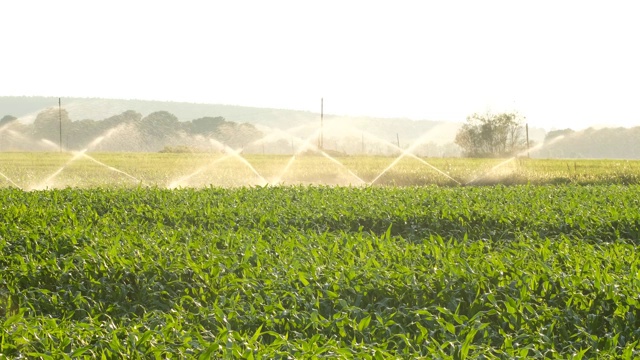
x=559 y=63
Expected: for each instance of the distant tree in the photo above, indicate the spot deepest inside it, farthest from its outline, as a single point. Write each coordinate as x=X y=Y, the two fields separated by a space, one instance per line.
x=127 y=117
x=6 y=122
x=605 y=143
x=7 y=119
x=556 y=133
x=81 y=133
x=491 y=135
x=160 y=124
x=237 y=135
x=47 y=125
x=206 y=126
x=248 y=133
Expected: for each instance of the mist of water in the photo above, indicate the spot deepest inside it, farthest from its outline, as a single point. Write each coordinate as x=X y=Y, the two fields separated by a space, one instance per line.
x=47 y=182
x=229 y=153
x=111 y=168
x=236 y=155
x=408 y=152
x=302 y=139
x=9 y=180
x=307 y=144
x=507 y=161
x=182 y=180
x=50 y=144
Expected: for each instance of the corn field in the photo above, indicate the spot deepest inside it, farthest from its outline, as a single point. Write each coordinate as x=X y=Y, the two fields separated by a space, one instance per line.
x=321 y=272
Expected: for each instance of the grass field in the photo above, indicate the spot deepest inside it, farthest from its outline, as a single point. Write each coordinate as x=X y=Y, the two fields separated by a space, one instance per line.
x=368 y=272
x=60 y=170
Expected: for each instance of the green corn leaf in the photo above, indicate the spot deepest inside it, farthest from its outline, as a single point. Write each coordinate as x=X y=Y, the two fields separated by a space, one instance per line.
x=364 y=323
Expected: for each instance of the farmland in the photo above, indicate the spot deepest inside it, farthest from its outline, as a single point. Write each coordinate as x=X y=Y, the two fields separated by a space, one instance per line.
x=338 y=272
x=48 y=170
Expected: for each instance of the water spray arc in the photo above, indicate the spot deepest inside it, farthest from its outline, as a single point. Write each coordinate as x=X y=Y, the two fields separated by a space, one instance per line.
x=181 y=181
x=77 y=155
x=228 y=154
x=298 y=155
x=47 y=182
x=307 y=144
x=60 y=120
x=505 y=162
x=236 y=154
x=321 y=144
x=2 y=129
x=112 y=168
x=409 y=152
x=10 y=181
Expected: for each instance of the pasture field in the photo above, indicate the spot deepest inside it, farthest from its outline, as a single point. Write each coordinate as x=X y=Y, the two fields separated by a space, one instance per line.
x=60 y=170
x=321 y=272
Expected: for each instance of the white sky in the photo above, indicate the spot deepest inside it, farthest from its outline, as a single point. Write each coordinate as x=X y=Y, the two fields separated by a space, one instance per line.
x=559 y=63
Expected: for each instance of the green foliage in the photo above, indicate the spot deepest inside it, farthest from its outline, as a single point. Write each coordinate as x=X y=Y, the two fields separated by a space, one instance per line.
x=129 y=131
x=304 y=272
x=181 y=149
x=7 y=119
x=491 y=135
x=553 y=134
x=207 y=126
x=159 y=124
x=47 y=124
x=603 y=143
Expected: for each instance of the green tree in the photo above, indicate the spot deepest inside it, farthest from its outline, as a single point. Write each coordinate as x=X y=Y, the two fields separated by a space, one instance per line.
x=557 y=133
x=491 y=135
x=237 y=135
x=48 y=123
x=7 y=119
x=206 y=126
x=127 y=117
x=159 y=125
x=81 y=133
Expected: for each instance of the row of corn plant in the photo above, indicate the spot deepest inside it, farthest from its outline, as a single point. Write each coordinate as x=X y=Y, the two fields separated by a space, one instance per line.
x=302 y=272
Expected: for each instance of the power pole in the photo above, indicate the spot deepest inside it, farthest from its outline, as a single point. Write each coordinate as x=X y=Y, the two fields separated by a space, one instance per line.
x=60 y=118
x=526 y=126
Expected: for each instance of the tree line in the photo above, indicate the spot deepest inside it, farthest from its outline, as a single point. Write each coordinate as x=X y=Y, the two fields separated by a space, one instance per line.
x=483 y=135
x=128 y=131
x=503 y=135
x=605 y=143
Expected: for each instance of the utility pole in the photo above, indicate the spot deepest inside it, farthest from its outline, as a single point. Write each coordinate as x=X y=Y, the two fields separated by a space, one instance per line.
x=526 y=126
x=60 y=119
